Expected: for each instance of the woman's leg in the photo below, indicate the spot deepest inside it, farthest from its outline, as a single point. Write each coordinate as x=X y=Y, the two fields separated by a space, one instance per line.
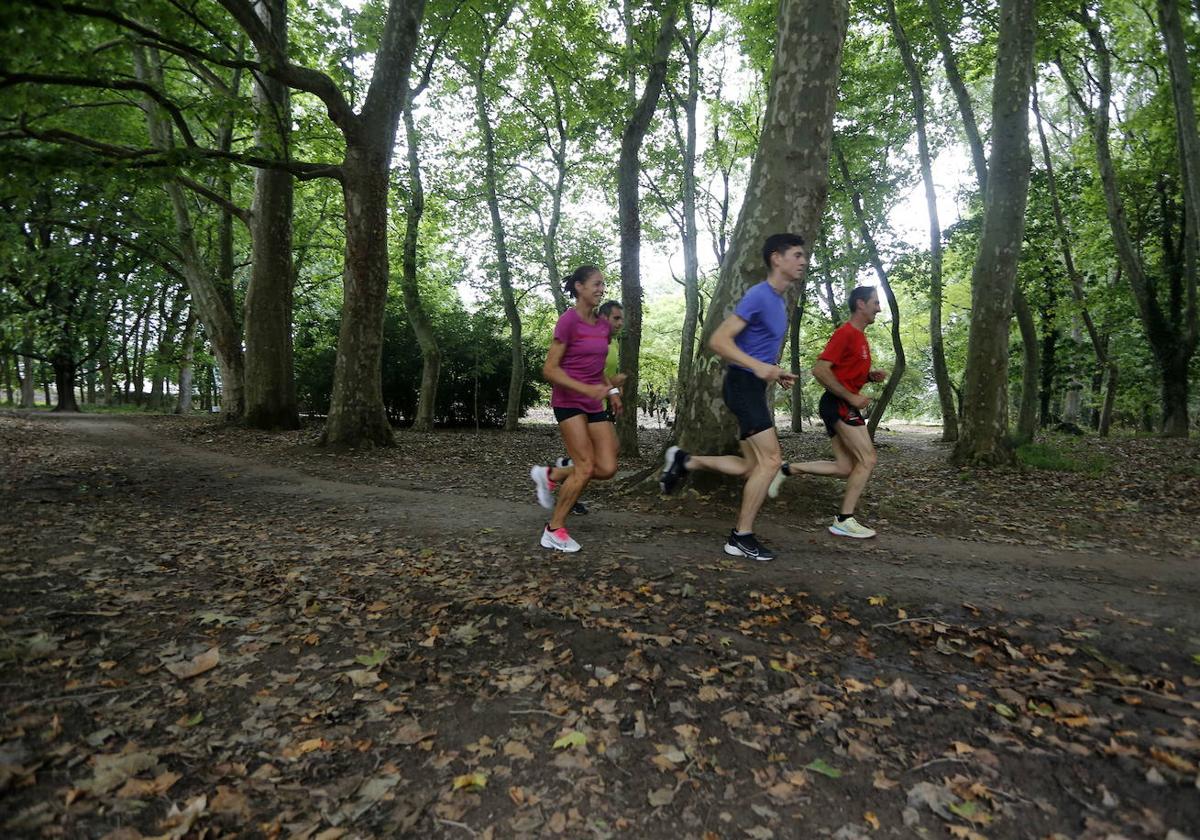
x=575 y=435
x=604 y=449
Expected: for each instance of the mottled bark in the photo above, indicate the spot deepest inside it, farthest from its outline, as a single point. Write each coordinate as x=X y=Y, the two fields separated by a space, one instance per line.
x=1027 y=411
x=267 y=314
x=356 y=413
x=183 y=404
x=794 y=359
x=937 y=350
x=787 y=189
x=431 y=356
x=983 y=437
x=630 y=222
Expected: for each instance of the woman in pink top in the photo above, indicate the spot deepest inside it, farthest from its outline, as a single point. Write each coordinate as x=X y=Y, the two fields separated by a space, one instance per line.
x=575 y=367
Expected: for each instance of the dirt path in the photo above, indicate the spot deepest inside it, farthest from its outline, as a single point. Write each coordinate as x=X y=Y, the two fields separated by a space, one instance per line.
x=944 y=572
x=207 y=631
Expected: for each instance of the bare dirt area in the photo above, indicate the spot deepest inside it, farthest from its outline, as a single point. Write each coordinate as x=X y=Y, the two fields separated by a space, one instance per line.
x=210 y=632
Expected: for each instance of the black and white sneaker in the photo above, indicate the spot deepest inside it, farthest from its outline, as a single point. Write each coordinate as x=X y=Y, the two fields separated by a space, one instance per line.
x=579 y=509
x=563 y=461
x=746 y=545
x=673 y=469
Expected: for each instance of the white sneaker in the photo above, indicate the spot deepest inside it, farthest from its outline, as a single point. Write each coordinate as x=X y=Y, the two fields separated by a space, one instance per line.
x=540 y=476
x=776 y=483
x=558 y=540
x=850 y=528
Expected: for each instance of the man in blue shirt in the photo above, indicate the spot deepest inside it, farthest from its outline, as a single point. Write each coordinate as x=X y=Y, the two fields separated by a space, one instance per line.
x=750 y=340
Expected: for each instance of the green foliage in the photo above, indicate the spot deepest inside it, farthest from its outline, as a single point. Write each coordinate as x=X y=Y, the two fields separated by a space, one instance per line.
x=1060 y=454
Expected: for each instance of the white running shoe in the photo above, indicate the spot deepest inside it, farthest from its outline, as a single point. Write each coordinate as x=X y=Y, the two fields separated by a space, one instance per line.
x=558 y=540
x=540 y=476
x=776 y=483
x=850 y=528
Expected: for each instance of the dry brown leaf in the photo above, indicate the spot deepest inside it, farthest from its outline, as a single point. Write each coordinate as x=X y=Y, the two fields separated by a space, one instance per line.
x=515 y=749
x=230 y=801
x=137 y=788
x=197 y=665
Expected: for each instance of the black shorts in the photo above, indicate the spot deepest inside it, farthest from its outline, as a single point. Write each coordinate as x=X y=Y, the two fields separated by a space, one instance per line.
x=746 y=396
x=561 y=414
x=833 y=409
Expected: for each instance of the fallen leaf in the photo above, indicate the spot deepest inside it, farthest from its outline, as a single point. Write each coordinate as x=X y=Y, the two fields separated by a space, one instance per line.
x=197 y=665
x=662 y=796
x=516 y=749
x=819 y=765
x=470 y=781
x=569 y=739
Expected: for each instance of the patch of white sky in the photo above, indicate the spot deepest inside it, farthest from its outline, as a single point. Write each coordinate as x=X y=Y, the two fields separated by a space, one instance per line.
x=662 y=261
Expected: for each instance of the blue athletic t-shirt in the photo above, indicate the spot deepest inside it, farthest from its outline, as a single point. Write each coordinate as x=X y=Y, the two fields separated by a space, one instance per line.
x=765 y=312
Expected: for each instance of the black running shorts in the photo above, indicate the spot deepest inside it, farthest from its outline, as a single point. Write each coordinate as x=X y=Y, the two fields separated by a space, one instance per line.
x=833 y=408
x=746 y=396
x=561 y=414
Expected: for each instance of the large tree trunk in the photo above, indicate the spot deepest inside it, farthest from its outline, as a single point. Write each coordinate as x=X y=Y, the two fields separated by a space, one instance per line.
x=5 y=363
x=983 y=438
x=1027 y=413
x=630 y=221
x=937 y=350
x=879 y=406
x=64 y=382
x=183 y=405
x=270 y=375
x=794 y=359
x=431 y=356
x=356 y=413
x=516 y=380
x=787 y=189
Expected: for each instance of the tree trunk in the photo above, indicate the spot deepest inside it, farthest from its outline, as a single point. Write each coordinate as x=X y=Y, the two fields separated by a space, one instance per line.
x=983 y=438
x=28 y=381
x=1176 y=421
x=794 y=359
x=630 y=222
x=558 y=152
x=1110 y=398
x=691 y=235
x=183 y=405
x=516 y=380
x=270 y=375
x=64 y=383
x=431 y=356
x=879 y=406
x=1027 y=414
x=937 y=350
x=139 y=353
x=356 y=412
x=1049 y=354
x=5 y=361
x=219 y=322
x=787 y=189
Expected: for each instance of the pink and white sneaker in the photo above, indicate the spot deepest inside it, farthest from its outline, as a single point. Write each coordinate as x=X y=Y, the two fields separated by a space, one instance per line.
x=540 y=476
x=559 y=540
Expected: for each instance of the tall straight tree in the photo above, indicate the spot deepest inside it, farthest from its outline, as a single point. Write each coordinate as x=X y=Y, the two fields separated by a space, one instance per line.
x=984 y=438
x=1028 y=409
x=630 y=221
x=1167 y=306
x=937 y=350
x=787 y=190
x=491 y=186
x=267 y=314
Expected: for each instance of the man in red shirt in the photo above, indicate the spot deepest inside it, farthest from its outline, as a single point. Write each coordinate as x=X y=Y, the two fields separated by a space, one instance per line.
x=843 y=367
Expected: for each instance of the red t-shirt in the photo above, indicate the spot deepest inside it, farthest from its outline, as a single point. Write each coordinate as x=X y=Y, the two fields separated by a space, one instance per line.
x=849 y=355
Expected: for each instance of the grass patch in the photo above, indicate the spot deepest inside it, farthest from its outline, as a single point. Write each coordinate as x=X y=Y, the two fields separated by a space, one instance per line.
x=1048 y=455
